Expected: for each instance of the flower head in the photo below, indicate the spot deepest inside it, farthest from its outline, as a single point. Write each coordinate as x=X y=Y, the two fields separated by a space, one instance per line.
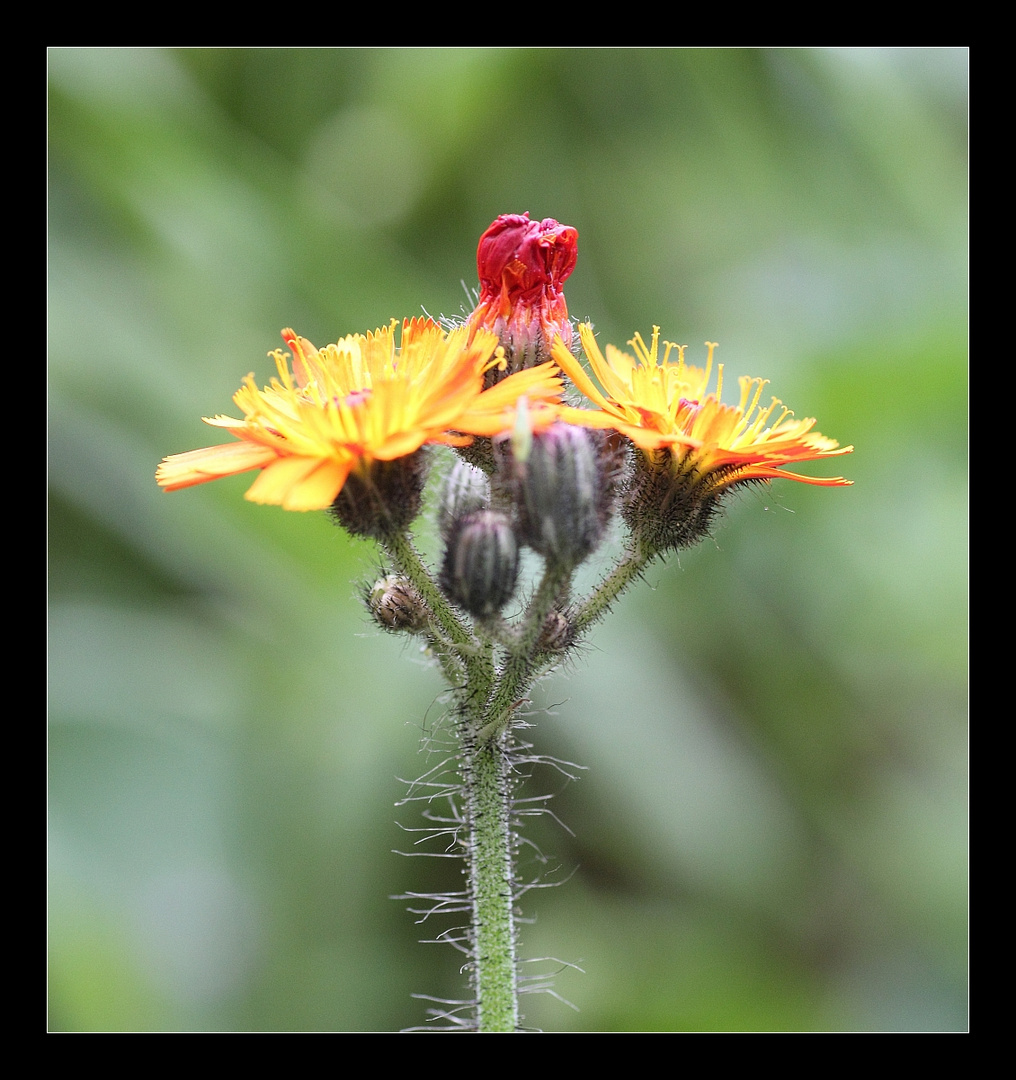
x=692 y=446
x=356 y=406
x=522 y=266
x=665 y=405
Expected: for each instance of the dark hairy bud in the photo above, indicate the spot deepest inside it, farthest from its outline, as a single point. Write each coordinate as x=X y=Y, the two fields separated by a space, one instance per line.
x=564 y=491
x=466 y=490
x=481 y=562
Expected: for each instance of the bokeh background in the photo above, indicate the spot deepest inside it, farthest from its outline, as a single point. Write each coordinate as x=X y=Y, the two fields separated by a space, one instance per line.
x=770 y=831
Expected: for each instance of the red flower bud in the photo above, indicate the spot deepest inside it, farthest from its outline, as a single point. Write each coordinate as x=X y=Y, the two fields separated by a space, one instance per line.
x=517 y=258
x=522 y=266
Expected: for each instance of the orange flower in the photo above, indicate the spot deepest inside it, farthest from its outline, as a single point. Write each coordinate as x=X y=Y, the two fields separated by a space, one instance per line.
x=363 y=400
x=664 y=407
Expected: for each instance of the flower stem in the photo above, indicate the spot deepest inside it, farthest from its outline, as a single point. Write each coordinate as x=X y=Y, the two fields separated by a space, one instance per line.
x=519 y=668
x=627 y=571
x=487 y=708
x=486 y=772
x=463 y=658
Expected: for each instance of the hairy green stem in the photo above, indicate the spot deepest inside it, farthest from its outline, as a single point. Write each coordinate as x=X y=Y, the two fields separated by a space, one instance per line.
x=486 y=769
x=467 y=661
x=627 y=571
x=488 y=705
x=519 y=668
x=463 y=658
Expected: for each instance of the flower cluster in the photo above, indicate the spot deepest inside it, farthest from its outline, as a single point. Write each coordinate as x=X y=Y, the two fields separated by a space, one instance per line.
x=347 y=429
x=344 y=427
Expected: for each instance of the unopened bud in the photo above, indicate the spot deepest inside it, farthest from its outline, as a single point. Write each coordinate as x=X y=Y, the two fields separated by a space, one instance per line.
x=396 y=605
x=522 y=266
x=481 y=562
x=564 y=491
x=557 y=632
x=466 y=490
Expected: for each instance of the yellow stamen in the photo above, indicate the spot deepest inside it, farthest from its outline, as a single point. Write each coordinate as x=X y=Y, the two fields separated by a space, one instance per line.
x=710 y=345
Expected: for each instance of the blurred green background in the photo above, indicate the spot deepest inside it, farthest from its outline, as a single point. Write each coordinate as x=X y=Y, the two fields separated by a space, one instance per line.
x=771 y=831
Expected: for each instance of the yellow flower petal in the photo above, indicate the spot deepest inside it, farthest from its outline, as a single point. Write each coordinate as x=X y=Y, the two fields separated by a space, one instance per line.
x=211 y=463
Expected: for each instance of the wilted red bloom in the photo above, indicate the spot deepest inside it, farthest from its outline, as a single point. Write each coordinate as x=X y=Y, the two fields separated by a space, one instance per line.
x=522 y=266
